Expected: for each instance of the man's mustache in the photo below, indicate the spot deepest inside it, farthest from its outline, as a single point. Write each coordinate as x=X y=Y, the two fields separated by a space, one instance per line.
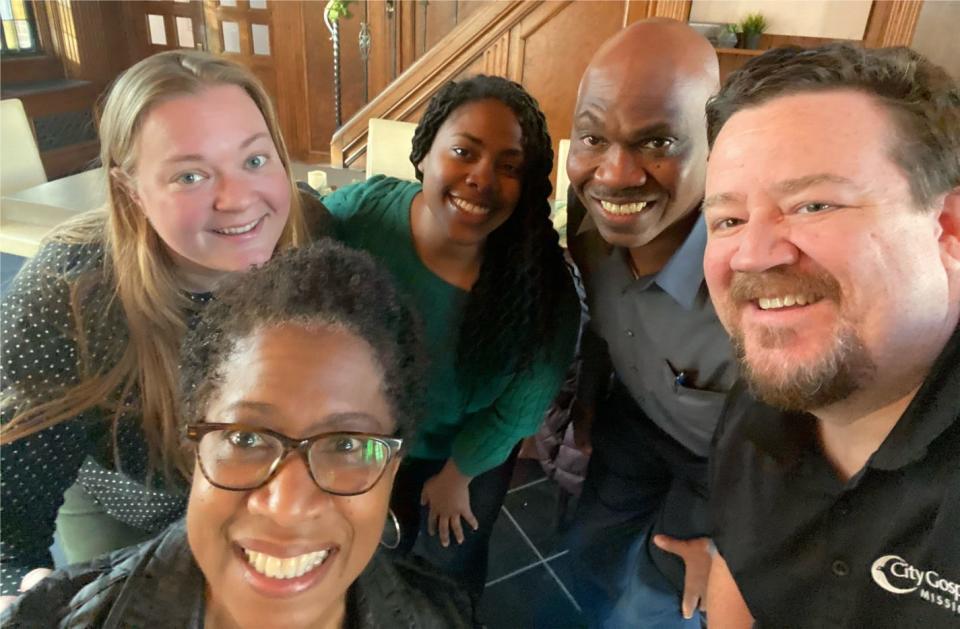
x=780 y=281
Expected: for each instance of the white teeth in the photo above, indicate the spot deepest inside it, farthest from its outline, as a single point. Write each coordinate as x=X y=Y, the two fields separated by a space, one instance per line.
x=772 y=303
x=285 y=568
x=623 y=208
x=233 y=231
x=470 y=208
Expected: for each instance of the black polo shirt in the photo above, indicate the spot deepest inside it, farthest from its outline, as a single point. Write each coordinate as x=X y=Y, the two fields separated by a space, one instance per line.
x=808 y=550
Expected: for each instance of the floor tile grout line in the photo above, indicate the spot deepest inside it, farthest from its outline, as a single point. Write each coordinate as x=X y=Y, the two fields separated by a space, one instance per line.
x=513 y=574
x=536 y=552
x=562 y=587
x=527 y=485
x=523 y=533
x=527 y=539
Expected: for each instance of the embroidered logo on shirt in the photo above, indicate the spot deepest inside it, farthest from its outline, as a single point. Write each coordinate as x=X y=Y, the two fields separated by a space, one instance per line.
x=897 y=576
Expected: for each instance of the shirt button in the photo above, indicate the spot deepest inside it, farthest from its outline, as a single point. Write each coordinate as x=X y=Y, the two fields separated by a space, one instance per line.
x=840 y=568
x=629 y=332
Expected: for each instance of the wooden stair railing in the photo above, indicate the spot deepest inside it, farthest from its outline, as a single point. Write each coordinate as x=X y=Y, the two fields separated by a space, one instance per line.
x=480 y=43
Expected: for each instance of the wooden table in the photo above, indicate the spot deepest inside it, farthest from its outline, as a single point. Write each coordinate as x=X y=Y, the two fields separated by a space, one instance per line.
x=28 y=215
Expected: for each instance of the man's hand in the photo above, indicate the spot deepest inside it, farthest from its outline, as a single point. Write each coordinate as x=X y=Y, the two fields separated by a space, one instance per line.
x=448 y=495
x=697 y=555
x=28 y=581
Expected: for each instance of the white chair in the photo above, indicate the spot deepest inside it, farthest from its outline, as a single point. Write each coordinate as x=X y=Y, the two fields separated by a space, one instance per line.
x=563 y=182
x=20 y=165
x=559 y=215
x=388 y=148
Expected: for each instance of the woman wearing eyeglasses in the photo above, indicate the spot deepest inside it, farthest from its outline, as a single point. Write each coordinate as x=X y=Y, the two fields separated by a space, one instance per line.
x=298 y=388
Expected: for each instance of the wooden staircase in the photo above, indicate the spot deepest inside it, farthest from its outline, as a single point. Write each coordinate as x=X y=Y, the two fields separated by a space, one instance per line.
x=543 y=44
x=477 y=45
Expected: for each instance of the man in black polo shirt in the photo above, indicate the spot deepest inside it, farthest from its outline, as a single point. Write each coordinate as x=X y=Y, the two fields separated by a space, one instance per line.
x=833 y=260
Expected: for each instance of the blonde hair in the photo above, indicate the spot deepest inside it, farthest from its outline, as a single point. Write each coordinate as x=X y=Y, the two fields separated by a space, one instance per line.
x=137 y=267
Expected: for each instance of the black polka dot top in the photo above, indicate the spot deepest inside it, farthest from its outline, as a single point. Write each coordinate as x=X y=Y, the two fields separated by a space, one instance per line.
x=41 y=357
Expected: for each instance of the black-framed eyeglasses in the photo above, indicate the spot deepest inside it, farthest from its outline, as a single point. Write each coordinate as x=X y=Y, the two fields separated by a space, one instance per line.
x=240 y=457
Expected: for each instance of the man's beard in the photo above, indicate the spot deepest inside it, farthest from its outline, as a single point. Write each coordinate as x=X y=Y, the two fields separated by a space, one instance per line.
x=846 y=368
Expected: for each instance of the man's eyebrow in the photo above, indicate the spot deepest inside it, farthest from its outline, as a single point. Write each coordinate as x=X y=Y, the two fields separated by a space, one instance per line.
x=588 y=117
x=194 y=157
x=789 y=186
x=720 y=199
x=652 y=129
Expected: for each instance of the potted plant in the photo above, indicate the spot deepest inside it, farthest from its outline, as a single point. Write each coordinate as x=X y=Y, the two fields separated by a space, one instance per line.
x=753 y=26
x=728 y=37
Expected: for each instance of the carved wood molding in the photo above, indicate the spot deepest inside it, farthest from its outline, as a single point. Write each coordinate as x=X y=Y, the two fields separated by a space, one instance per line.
x=484 y=35
x=674 y=9
x=495 y=58
x=891 y=23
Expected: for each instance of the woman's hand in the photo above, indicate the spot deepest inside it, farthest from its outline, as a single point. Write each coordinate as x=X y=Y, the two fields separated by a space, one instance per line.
x=448 y=495
x=28 y=581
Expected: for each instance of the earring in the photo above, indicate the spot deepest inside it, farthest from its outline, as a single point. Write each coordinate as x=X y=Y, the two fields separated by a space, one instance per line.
x=396 y=528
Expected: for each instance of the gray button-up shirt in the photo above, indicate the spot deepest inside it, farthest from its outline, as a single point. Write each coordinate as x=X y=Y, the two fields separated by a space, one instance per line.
x=662 y=336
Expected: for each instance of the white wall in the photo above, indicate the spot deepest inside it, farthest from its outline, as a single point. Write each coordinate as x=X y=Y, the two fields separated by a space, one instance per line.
x=835 y=19
x=936 y=34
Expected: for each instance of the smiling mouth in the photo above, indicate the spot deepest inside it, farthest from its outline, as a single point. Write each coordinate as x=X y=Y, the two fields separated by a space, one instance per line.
x=470 y=208
x=240 y=229
x=786 y=301
x=622 y=209
x=285 y=567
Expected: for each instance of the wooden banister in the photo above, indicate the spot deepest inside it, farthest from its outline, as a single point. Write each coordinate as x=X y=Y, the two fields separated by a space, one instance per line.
x=478 y=44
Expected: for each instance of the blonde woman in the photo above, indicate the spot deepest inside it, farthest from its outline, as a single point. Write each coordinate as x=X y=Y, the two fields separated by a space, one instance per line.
x=199 y=188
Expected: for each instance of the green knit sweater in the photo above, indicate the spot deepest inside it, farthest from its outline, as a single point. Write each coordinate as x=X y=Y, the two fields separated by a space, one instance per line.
x=477 y=424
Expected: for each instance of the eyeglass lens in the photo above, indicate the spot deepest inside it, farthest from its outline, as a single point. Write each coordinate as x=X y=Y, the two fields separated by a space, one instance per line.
x=343 y=464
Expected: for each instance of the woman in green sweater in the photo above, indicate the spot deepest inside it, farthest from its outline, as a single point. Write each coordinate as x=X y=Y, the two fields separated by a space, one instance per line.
x=473 y=247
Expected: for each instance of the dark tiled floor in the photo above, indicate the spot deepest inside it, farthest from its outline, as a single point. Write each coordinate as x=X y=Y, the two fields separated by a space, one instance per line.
x=529 y=572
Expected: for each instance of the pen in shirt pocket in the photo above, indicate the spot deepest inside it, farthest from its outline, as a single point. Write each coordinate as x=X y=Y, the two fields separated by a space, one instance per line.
x=681 y=378
x=680 y=381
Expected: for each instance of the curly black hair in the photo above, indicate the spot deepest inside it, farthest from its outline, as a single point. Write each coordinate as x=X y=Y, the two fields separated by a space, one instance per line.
x=513 y=303
x=922 y=98
x=324 y=284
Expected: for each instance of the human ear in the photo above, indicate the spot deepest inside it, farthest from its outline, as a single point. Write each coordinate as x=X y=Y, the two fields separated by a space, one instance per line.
x=125 y=182
x=949 y=221
x=949 y=224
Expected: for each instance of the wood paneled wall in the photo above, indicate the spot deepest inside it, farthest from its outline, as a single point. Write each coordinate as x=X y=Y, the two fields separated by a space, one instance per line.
x=543 y=45
x=89 y=38
x=400 y=34
x=414 y=48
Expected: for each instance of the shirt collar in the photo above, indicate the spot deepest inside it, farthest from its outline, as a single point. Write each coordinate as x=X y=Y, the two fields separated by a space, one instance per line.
x=933 y=409
x=786 y=436
x=682 y=276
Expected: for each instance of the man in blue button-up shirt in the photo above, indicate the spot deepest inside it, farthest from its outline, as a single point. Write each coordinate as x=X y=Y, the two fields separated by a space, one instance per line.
x=636 y=164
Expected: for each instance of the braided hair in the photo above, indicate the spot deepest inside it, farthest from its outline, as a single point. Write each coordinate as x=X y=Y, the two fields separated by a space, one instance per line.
x=511 y=309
